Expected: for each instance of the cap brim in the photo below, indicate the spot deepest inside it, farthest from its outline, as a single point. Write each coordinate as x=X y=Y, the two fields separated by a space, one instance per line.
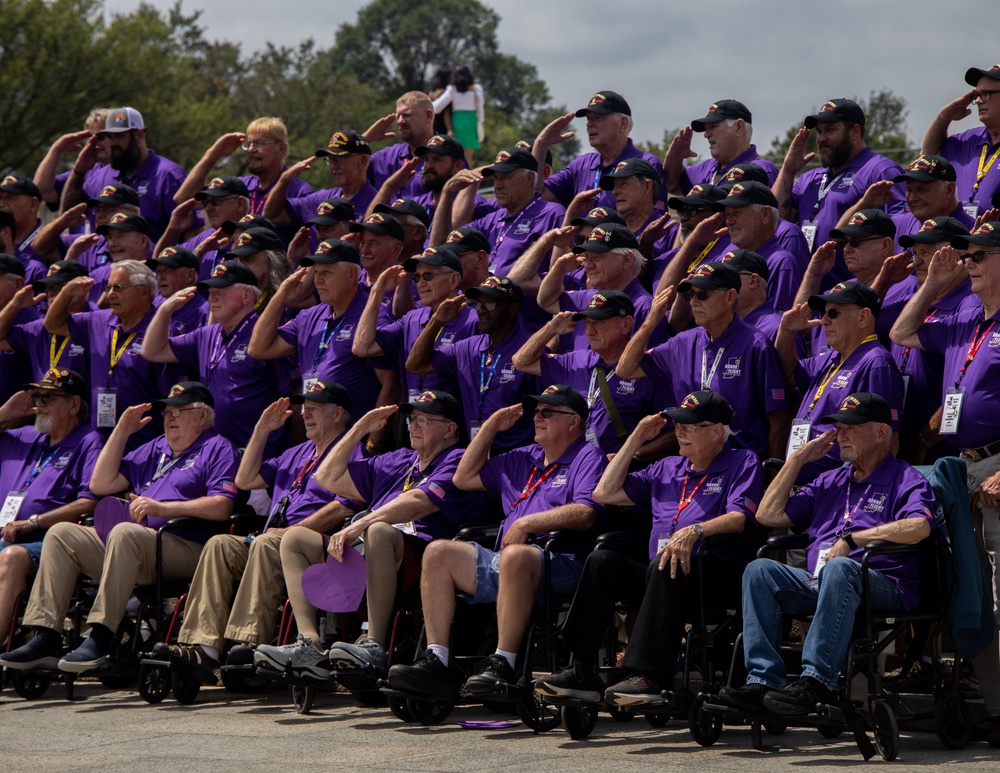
x=845 y=418
x=973 y=74
x=595 y=246
x=700 y=124
x=683 y=416
x=961 y=242
x=851 y=230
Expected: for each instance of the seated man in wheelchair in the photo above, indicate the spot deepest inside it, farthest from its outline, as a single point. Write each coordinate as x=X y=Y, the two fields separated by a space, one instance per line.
x=872 y=497
x=410 y=501
x=44 y=475
x=188 y=471
x=711 y=488
x=212 y=614
x=543 y=487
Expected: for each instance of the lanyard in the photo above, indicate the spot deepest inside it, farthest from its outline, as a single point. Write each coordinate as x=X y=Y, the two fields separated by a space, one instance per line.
x=516 y=219
x=974 y=345
x=706 y=378
x=591 y=391
x=906 y=352
x=41 y=464
x=484 y=379
x=701 y=256
x=329 y=331
x=115 y=357
x=25 y=246
x=534 y=481
x=685 y=499
x=304 y=473
x=824 y=188
x=261 y=302
x=830 y=373
x=984 y=167
x=214 y=359
x=162 y=469
x=848 y=510
x=55 y=356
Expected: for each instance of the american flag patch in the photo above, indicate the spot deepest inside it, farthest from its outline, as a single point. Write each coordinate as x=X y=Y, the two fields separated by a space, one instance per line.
x=777 y=394
x=229 y=486
x=436 y=489
x=751 y=505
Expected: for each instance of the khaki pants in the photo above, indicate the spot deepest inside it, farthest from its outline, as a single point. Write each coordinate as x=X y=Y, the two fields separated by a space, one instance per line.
x=209 y=618
x=987 y=663
x=128 y=559
x=300 y=549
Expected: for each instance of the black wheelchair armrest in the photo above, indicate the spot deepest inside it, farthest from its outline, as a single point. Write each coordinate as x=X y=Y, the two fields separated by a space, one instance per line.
x=483 y=533
x=783 y=542
x=244 y=523
x=772 y=463
x=176 y=523
x=749 y=538
x=881 y=547
x=611 y=540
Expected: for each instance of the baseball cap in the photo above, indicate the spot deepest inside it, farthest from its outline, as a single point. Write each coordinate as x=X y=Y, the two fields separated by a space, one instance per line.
x=862 y=407
x=62 y=380
x=988 y=235
x=557 y=394
x=11 y=264
x=254 y=240
x=722 y=110
x=125 y=221
x=631 y=167
x=122 y=119
x=509 y=159
x=497 y=288
x=743 y=194
x=114 y=195
x=867 y=222
x=599 y=216
x=174 y=257
x=927 y=169
x=185 y=393
x=320 y=391
x=605 y=304
x=230 y=273
x=345 y=143
x=436 y=402
x=442 y=145
x=59 y=273
x=380 y=224
x=333 y=211
x=703 y=405
x=406 y=207
x=847 y=292
x=934 y=231
x=605 y=102
x=332 y=251
x=467 y=239
x=529 y=146
x=747 y=260
x=746 y=172
x=435 y=256
x=219 y=187
x=609 y=236
x=246 y=222
x=973 y=74
x=698 y=196
x=18 y=185
x=713 y=275
x=837 y=110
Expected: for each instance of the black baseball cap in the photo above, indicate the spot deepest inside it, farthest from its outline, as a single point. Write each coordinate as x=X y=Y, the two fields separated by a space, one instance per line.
x=529 y=146
x=245 y=223
x=59 y=273
x=866 y=223
x=713 y=275
x=703 y=405
x=406 y=207
x=11 y=264
x=599 y=216
x=254 y=240
x=345 y=143
x=987 y=235
x=321 y=391
x=124 y=221
x=497 y=288
x=743 y=194
x=114 y=195
x=509 y=159
x=935 y=231
x=381 y=224
x=332 y=251
x=609 y=236
x=557 y=394
x=847 y=292
x=837 y=110
x=861 y=407
x=436 y=402
x=230 y=273
x=333 y=211
x=18 y=185
x=62 y=380
x=630 y=167
x=746 y=172
x=220 y=187
x=973 y=74
x=605 y=102
x=698 y=196
x=435 y=256
x=747 y=260
x=185 y=393
x=927 y=169
x=723 y=110
x=174 y=257
x=442 y=145
x=605 y=304
x=467 y=239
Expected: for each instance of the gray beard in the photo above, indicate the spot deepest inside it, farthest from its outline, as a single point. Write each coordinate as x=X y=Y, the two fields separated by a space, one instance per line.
x=43 y=424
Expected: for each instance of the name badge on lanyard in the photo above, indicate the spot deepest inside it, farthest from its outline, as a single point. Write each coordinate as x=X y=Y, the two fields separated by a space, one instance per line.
x=809 y=230
x=951 y=410
x=799 y=436
x=107 y=407
x=11 y=506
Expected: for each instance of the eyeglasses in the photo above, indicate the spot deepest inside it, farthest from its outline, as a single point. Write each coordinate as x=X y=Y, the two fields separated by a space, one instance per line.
x=548 y=413
x=833 y=312
x=215 y=201
x=855 y=242
x=978 y=257
x=108 y=288
x=685 y=209
x=423 y=421
x=984 y=96
x=701 y=295
x=175 y=412
x=40 y=399
x=249 y=143
x=484 y=305
x=427 y=276
x=692 y=427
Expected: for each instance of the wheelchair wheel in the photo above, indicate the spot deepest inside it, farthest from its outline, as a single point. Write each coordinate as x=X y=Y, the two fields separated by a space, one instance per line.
x=370 y=698
x=154 y=683
x=776 y=728
x=705 y=728
x=238 y=682
x=303 y=696
x=540 y=717
x=953 y=721
x=399 y=709
x=185 y=688
x=622 y=713
x=658 y=720
x=579 y=721
x=429 y=712
x=830 y=731
x=31 y=685
x=886 y=731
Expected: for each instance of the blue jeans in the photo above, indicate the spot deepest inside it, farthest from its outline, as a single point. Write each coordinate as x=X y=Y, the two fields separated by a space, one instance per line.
x=772 y=589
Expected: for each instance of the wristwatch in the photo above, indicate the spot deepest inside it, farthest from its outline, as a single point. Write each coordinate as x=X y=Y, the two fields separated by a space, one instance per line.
x=33 y=520
x=699 y=530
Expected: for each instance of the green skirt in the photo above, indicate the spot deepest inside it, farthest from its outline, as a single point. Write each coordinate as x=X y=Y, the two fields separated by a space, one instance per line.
x=464 y=123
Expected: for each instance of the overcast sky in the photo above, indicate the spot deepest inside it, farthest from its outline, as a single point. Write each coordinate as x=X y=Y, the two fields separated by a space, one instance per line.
x=670 y=60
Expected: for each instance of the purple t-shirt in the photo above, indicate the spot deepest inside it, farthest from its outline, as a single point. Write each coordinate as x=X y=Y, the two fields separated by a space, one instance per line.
x=242 y=386
x=741 y=365
x=292 y=475
x=906 y=223
x=511 y=235
x=386 y=162
x=381 y=479
x=135 y=379
x=58 y=474
x=765 y=319
x=487 y=381
x=965 y=153
x=834 y=502
x=712 y=172
x=303 y=207
x=156 y=182
x=34 y=340
x=732 y=483
x=787 y=270
x=577 y=300
x=189 y=317
x=481 y=208
x=397 y=338
x=570 y=479
x=16 y=366
x=206 y=469
x=95 y=256
x=585 y=172
x=633 y=398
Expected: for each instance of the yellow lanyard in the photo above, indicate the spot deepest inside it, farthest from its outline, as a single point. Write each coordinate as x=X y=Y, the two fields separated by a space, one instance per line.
x=117 y=356
x=831 y=372
x=55 y=356
x=984 y=167
x=697 y=261
x=261 y=302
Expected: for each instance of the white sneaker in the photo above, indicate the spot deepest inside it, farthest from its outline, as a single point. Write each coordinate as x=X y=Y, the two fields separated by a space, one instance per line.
x=302 y=657
x=363 y=653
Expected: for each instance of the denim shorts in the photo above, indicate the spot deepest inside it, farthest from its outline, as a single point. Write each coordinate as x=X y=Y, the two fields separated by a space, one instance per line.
x=565 y=575
x=34 y=548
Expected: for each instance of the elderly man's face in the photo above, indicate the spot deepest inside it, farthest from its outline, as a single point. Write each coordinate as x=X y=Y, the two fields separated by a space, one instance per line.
x=747 y=228
x=725 y=142
x=632 y=194
x=605 y=129
x=856 y=440
x=930 y=199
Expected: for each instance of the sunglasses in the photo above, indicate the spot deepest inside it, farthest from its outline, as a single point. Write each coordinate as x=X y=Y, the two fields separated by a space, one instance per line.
x=978 y=257
x=428 y=276
x=855 y=242
x=834 y=312
x=46 y=399
x=548 y=413
x=701 y=295
x=485 y=305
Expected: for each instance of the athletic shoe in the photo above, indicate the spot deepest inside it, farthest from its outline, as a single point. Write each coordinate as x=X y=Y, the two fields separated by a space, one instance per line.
x=571 y=682
x=41 y=651
x=88 y=656
x=364 y=653
x=495 y=674
x=428 y=676
x=798 y=698
x=749 y=697
x=303 y=658
x=635 y=690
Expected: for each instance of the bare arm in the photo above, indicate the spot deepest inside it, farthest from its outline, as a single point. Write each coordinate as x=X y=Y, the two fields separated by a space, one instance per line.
x=274 y=416
x=419 y=360
x=793 y=321
x=180 y=220
x=772 y=507
x=156 y=343
x=46 y=244
x=394 y=182
x=795 y=160
x=332 y=473
x=57 y=317
x=553 y=285
x=551 y=135
x=525 y=268
x=265 y=343
x=45 y=174
x=222 y=148
x=937 y=132
x=73 y=189
x=274 y=205
x=705 y=233
x=630 y=364
x=107 y=478
x=610 y=489
x=673 y=161
x=23 y=299
x=475 y=456
x=944 y=267
x=328 y=516
x=877 y=196
x=528 y=357
x=364 y=344
x=408 y=506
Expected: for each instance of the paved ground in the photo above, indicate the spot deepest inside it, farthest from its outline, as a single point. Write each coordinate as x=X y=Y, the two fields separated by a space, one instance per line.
x=113 y=730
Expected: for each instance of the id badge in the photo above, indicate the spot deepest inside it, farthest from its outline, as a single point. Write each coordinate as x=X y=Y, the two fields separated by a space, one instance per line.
x=661 y=543
x=11 y=505
x=592 y=436
x=413 y=395
x=798 y=437
x=107 y=407
x=824 y=549
x=307 y=384
x=406 y=528
x=809 y=231
x=474 y=429
x=971 y=209
x=951 y=410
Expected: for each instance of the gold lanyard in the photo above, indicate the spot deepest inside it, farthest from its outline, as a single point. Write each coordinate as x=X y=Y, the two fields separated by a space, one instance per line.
x=55 y=356
x=697 y=261
x=984 y=167
x=115 y=357
x=831 y=373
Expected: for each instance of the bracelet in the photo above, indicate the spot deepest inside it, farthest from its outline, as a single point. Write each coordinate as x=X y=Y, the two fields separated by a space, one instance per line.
x=849 y=539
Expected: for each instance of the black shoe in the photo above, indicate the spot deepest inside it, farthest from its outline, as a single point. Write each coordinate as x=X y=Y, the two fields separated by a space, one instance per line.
x=572 y=682
x=43 y=650
x=495 y=675
x=427 y=676
x=93 y=653
x=240 y=655
x=634 y=690
x=799 y=697
x=749 y=697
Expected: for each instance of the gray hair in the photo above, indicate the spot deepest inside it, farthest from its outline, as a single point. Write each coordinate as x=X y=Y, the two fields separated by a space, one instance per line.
x=279 y=267
x=211 y=412
x=623 y=252
x=629 y=123
x=146 y=276
x=775 y=215
x=732 y=122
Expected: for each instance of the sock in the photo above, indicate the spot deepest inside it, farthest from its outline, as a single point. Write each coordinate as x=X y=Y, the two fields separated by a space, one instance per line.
x=510 y=657
x=441 y=651
x=212 y=652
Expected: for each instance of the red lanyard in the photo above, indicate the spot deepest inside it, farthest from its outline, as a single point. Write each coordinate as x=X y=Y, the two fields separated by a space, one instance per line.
x=307 y=468
x=534 y=481
x=906 y=352
x=685 y=499
x=974 y=346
